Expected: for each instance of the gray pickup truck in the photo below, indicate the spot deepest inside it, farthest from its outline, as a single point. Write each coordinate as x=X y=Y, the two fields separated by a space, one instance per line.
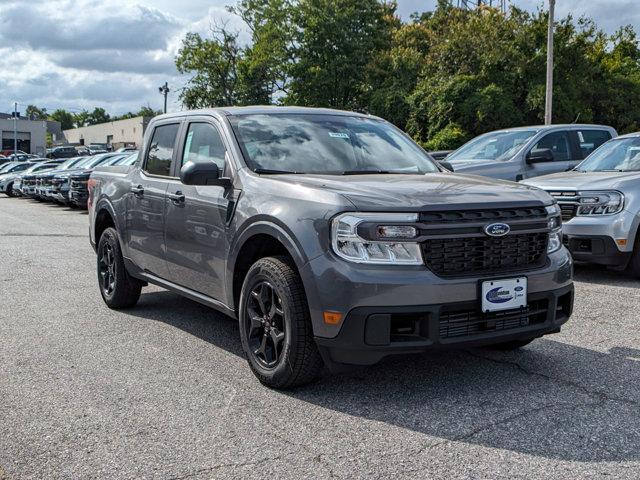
x=331 y=236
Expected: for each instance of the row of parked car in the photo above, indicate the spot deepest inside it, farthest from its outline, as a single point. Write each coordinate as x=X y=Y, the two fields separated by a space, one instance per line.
x=63 y=180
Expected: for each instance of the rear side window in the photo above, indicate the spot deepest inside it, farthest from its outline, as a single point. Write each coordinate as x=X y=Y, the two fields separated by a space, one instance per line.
x=589 y=140
x=558 y=143
x=203 y=144
x=160 y=152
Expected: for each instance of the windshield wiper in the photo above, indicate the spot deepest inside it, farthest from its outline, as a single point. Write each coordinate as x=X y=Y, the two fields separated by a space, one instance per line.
x=275 y=172
x=364 y=172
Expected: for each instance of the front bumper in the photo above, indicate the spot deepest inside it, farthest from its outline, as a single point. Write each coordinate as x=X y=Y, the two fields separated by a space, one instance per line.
x=332 y=284
x=79 y=198
x=372 y=333
x=593 y=238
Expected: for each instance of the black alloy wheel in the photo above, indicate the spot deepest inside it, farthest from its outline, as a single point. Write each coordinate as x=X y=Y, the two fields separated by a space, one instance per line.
x=117 y=287
x=265 y=324
x=107 y=269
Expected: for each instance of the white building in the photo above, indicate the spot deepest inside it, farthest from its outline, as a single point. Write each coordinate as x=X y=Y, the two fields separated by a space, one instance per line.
x=129 y=132
x=31 y=135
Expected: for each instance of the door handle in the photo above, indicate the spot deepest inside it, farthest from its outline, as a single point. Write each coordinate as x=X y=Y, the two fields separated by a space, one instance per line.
x=177 y=198
x=138 y=191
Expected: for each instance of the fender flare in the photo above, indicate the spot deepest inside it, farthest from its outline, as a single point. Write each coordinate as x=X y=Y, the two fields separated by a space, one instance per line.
x=263 y=226
x=104 y=204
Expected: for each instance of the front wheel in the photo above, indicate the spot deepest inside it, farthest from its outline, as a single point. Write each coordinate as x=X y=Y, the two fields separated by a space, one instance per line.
x=275 y=327
x=9 y=190
x=117 y=287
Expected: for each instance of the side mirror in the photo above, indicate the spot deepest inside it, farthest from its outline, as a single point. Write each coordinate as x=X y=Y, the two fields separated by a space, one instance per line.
x=538 y=155
x=202 y=173
x=447 y=165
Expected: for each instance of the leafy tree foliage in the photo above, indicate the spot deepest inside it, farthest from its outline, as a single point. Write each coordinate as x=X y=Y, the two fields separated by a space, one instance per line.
x=34 y=113
x=66 y=119
x=444 y=76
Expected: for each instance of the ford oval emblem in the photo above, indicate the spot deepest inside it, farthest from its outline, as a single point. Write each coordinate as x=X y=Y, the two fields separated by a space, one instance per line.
x=497 y=229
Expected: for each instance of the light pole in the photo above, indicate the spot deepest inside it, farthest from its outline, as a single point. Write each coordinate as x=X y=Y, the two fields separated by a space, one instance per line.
x=15 y=128
x=164 y=90
x=548 y=101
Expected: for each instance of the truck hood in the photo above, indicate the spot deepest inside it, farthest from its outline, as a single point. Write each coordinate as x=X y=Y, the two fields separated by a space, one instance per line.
x=574 y=180
x=414 y=192
x=471 y=165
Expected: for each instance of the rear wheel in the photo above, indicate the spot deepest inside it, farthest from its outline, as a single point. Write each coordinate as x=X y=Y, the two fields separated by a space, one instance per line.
x=117 y=287
x=275 y=327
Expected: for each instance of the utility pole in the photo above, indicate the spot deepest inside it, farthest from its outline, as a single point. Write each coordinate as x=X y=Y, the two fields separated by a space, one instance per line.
x=164 y=90
x=15 y=128
x=548 y=101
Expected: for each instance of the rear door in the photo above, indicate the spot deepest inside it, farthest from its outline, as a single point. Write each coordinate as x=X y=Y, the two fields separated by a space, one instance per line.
x=145 y=200
x=197 y=245
x=586 y=140
x=565 y=156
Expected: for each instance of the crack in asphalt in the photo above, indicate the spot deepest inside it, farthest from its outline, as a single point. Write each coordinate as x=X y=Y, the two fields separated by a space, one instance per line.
x=563 y=381
x=200 y=471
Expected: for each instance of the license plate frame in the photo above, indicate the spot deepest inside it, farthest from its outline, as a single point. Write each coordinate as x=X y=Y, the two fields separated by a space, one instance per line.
x=503 y=294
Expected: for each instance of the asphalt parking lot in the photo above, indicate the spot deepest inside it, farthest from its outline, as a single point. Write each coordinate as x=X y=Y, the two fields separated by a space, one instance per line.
x=163 y=391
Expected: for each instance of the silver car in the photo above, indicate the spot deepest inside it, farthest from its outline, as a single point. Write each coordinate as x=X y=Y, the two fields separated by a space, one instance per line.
x=600 y=202
x=525 y=152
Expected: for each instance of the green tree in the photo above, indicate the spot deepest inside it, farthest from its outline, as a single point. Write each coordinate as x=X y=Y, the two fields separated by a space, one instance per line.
x=335 y=43
x=97 y=116
x=66 y=119
x=213 y=66
x=34 y=113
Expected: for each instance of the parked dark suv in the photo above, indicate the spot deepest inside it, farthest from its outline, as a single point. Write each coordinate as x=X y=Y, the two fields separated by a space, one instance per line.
x=331 y=236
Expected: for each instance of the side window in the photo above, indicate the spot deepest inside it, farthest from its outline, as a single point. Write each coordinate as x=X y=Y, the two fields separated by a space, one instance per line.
x=203 y=144
x=558 y=143
x=158 y=161
x=589 y=140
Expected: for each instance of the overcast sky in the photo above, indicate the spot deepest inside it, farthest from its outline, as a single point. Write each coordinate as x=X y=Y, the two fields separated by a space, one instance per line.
x=116 y=53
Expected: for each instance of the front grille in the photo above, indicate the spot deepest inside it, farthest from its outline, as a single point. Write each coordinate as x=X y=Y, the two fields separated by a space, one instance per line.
x=478 y=255
x=78 y=185
x=462 y=323
x=484 y=215
x=569 y=211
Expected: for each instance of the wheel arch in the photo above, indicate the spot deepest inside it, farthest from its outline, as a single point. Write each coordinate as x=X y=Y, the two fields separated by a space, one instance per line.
x=261 y=239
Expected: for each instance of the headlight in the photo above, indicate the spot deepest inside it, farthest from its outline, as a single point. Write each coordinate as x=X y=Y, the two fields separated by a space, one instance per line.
x=350 y=246
x=600 y=203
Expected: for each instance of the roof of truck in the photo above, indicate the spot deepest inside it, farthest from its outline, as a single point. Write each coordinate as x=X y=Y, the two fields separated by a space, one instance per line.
x=264 y=109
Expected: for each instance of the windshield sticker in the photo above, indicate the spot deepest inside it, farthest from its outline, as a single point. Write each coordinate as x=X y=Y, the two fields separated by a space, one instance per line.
x=338 y=135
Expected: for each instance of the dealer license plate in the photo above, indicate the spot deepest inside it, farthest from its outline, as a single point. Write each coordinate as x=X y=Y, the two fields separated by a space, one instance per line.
x=504 y=294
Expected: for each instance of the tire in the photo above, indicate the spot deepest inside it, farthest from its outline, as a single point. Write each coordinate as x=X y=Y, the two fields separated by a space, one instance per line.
x=9 y=190
x=278 y=342
x=512 y=345
x=633 y=268
x=118 y=289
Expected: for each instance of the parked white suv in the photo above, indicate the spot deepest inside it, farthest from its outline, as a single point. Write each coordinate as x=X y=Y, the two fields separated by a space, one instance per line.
x=600 y=202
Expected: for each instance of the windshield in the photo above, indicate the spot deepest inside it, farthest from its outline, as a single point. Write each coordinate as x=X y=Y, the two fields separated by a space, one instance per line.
x=327 y=144
x=42 y=166
x=7 y=166
x=70 y=163
x=493 y=146
x=621 y=154
x=128 y=160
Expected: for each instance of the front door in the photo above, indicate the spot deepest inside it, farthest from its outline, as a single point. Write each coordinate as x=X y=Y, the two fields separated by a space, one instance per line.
x=564 y=156
x=195 y=229
x=146 y=202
